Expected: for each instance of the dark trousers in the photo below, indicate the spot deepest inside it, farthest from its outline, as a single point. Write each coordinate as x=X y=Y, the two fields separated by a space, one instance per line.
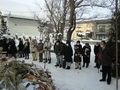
x=97 y=61
x=86 y=60
x=26 y=55
x=21 y=54
x=106 y=72
x=40 y=57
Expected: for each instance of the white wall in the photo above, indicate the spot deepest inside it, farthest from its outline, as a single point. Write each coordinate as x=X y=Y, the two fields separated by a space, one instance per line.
x=20 y=26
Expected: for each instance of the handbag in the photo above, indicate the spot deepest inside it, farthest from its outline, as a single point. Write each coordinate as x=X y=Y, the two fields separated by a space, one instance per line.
x=99 y=56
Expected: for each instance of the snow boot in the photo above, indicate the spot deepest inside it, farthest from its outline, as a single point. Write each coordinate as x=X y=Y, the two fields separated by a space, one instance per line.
x=49 y=61
x=45 y=61
x=68 y=67
x=56 y=65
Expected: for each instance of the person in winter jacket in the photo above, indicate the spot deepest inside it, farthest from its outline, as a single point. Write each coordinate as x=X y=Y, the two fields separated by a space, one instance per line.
x=86 y=54
x=20 y=48
x=47 y=47
x=26 y=49
x=4 y=45
x=58 y=49
x=40 y=50
x=77 y=55
x=68 y=53
x=106 y=62
x=96 y=52
x=12 y=48
x=34 y=50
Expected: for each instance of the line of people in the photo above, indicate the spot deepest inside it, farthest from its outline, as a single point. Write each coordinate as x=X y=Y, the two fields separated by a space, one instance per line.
x=21 y=48
x=103 y=57
x=65 y=51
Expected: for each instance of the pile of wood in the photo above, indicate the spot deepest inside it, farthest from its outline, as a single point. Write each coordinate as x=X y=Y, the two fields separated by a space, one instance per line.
x=18 y=75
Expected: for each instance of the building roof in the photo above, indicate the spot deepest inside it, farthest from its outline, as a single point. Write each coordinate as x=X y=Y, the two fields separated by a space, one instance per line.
x=19 y=10
x=95 y=20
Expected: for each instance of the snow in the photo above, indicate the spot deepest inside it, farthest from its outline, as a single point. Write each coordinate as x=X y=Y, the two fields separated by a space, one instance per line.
x=75 y=79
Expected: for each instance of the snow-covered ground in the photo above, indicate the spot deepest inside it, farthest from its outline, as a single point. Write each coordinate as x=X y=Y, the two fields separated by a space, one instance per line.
x=75 y=79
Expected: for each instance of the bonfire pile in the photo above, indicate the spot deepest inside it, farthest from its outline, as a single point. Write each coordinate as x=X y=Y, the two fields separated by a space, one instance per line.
x=18 y=75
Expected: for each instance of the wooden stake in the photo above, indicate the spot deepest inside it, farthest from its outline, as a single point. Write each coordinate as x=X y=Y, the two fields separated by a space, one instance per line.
x=116 y=2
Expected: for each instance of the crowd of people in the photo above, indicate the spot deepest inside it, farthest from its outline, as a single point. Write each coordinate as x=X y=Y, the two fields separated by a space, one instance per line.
x=65 y=53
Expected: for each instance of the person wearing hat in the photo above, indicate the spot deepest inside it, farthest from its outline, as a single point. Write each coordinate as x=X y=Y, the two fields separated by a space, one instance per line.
x=40 y=50
x=34 y=50
x=47 y=48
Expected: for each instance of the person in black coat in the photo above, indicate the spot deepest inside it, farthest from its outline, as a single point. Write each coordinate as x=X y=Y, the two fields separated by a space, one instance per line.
x=20 y=48
x=106 y=62
x=86 y=54
x=77 y=55
x=26 y=49
x=4 y=44
x=96 y=51
x=68 y=53
x=12 y=48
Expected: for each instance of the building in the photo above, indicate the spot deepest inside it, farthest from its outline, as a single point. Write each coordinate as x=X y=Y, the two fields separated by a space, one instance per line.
x=94 y=29
x=22 y=19
x=83 y=29
x=102 y=28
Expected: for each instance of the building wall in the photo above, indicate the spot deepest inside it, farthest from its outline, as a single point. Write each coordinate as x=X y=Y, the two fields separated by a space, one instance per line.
x=20 y=26
x=82 y=27
x=95 y=26
x=102 y=30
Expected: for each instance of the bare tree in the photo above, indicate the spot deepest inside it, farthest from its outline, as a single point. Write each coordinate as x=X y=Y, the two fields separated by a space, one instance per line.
x=67 y=12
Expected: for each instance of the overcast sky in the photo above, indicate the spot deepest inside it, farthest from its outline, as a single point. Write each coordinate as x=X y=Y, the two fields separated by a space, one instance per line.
x=30 y=2
x=23 y=8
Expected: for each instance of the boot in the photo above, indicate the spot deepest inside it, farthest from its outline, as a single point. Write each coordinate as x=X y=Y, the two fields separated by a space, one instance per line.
x=45 y=60
x=56 y=65
x=80 y=66
x=60 y=66
x=87 y=65
x=49 y=61
x=83 y=64
x=68 y=67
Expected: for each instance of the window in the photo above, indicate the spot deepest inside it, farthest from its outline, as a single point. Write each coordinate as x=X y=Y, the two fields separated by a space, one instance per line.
x=101 y=28
x=101 y=37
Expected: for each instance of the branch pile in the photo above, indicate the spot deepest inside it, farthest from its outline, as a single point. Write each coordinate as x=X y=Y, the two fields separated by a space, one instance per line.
x=18 y=75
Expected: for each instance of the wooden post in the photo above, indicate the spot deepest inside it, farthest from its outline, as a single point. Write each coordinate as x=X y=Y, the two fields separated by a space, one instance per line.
x=116 y=2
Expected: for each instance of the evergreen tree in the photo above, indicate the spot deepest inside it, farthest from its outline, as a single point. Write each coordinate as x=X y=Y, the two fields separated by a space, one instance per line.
x=4 y=28
x=112 y=41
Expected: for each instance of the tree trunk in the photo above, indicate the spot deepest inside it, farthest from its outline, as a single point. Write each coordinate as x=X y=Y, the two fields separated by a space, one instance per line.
x=69 y=33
